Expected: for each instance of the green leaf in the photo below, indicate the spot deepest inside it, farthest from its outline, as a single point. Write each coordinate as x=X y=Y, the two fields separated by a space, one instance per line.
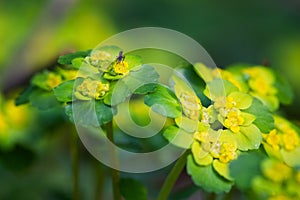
x=77 y=62
x=134 y=83
x=243 y=101
x=291 y=158
x=40 y=80
x=43 y=99
x=23 y=97
x=245 y=168
x=146 y=88
x=64 y=91
x=186 y=124
x=132 y=189
x=264 y=119
x=89 y=113
x=248 y=118
x=219 y=88
x=200 y=156
x=204 y=72
x=133 y=61
x=284 y=93
x=67 y=58
x=178 y=137
x=248 y=138
x=207 y=178
x=222 y=169
x=271 y=152
x=164 y=102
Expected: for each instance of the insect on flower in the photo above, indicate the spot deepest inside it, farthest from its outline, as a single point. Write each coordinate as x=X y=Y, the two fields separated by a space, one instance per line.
x=120 y=57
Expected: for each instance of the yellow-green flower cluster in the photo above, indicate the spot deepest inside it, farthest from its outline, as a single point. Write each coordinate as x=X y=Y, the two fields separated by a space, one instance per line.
x=91 y=89
x=283 y=142
x=278 y=181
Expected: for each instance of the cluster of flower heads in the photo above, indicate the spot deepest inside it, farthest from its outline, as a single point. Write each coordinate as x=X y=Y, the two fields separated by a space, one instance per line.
x=277 y=181
x=239 y=118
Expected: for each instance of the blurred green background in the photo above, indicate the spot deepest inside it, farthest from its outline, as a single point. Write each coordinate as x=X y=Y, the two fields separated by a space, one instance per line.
x=34 y=33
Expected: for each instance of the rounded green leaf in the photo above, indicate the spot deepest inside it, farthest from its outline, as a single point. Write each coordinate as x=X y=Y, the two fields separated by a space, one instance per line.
x=64 y=91
x=187 y=124
x=245 y=168
x=291 y=158
x=264 y=119
x=204 y=72
x=200 y=156
x=206 y=178
x=67 y=58
x=178 y=137
x=248 y=118
x=77 y=62
x=222 y=169
x=243 y=101
x=89 y=113
x=248 y=138
x=164 y=102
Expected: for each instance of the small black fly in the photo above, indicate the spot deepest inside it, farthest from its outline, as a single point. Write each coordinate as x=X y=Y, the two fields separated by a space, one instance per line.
x=120 y=57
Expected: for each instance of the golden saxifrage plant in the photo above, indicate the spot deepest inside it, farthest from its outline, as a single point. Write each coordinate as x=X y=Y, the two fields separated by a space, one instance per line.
x=225 y=119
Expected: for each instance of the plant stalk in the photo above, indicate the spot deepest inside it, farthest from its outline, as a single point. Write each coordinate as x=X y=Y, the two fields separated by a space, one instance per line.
x=75 y=164
x=114 y=173
x=173 y=176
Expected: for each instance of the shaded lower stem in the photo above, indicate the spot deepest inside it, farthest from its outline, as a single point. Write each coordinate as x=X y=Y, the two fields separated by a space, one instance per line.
x=114 y=173
x=75 y=164
x=100 y=179
x=173 y=176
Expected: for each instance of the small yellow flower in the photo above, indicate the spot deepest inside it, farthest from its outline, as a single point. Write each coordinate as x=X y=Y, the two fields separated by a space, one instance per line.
x=190 y=105
x=290 y=139
x=121 y=67
x=233 y=121
x=201 y=136
x=53 y=80
x=272 y=139
x=227 y=153
x=92 y=89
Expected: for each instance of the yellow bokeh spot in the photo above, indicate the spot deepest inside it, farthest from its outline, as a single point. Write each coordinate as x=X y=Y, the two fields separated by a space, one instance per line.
x=279 y=197
x=278 y=172
x=3 y=124
x=290 y=139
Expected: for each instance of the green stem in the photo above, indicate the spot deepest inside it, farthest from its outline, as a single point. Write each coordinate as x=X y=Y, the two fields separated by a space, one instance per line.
x=100 y=179
x=75 y=165
x=173 y=176
x=114 y=173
